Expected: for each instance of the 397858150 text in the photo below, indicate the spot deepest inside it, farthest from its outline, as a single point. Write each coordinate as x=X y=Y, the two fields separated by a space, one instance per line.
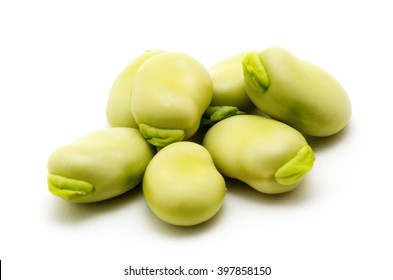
x=181 y=271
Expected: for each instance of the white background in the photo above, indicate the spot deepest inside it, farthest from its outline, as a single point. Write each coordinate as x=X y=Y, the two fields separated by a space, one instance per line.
x=58 y=60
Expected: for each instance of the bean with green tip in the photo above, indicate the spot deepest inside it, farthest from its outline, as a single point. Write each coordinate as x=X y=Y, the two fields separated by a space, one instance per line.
x=169 y=95
x=266 y=154
x=296 y=92
x=100 y=165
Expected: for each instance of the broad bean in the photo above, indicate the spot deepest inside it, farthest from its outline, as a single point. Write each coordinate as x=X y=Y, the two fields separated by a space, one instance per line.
x=118 y=108
x=296 y=92
x=182 y=186
x=169 y=95
x=266 y=154
x=228 y=83
x=99 y=165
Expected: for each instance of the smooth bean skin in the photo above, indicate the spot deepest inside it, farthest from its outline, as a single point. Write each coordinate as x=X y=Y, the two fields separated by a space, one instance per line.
x=228 y=83
x=266 y=154
x=182 y=186
x=170 y=92
x=118 y=107
x=296 y=92
x=100 y=165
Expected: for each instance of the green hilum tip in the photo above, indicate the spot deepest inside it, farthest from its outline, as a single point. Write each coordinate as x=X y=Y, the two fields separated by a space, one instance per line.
x=69 y=189
x=161 y=137
x=254 y=72
x=214 y=114
x=295 y=169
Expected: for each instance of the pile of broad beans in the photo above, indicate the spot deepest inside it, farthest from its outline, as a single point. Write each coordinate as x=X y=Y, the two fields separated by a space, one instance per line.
x=179 y=129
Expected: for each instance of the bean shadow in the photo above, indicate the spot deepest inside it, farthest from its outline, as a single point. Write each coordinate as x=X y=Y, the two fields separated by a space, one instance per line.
x=321 y=144
x=70 y=213
x=185 y=231
x=300 y=195
x=242 y=191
